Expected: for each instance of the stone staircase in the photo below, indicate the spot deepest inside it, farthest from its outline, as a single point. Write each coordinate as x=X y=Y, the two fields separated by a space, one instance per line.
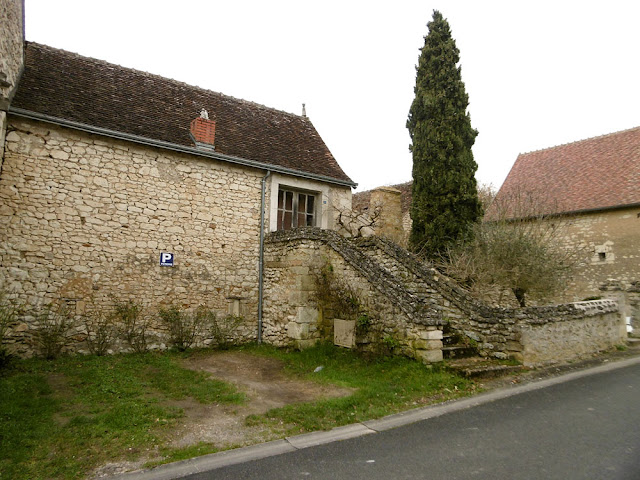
x=461 y=356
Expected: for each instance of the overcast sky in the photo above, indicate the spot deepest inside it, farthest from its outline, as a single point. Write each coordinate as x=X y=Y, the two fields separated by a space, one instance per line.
x=538 y=74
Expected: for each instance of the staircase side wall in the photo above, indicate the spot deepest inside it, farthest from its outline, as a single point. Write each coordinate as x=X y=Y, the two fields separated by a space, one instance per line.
x=292 y=317
x=533 y=335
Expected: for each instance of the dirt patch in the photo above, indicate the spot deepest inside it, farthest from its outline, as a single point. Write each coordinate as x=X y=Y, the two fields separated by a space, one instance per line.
x=266 y=386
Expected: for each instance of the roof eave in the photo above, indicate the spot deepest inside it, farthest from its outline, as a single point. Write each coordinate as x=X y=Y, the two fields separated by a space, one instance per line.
x=571 y=212
x=175 y=147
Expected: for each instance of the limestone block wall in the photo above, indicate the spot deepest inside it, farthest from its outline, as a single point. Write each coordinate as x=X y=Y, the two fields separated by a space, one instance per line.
x=566 y=334
x=11 y=48
x=83 y=217
x=607 y=245
x=387 y=203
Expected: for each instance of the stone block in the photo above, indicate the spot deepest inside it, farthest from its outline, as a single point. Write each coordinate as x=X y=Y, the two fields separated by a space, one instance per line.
x=297 y=331
x=427 y=344
x=514 y=347
x=307 y=315
x=344 y=333
x=429 y=356
x=431 y=335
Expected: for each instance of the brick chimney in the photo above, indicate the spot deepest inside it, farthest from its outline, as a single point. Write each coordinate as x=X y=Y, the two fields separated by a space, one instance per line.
x=203 y=130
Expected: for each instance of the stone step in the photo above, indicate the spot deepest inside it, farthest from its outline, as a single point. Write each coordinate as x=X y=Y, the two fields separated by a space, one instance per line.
x=477 y=367
x=459 y=351
x=633 y=342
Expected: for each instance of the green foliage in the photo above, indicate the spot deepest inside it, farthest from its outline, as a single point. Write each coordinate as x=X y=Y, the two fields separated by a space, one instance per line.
x=223 y=330
x=133 y=323
x=390 y=342
x=54 y=325
x=523 y=255
x=445 y=202
x=363 y=323
x=59 y=419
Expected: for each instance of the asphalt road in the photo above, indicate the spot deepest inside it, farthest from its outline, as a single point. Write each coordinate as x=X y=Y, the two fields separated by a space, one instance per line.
x=586 y=428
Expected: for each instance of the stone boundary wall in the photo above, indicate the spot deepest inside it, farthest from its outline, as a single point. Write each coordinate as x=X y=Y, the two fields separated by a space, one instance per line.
x=507 y=332
x=425 y=297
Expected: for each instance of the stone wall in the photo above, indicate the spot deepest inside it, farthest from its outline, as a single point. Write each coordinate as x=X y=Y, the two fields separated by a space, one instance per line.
x=573 y=332
x=407 y=294
x=84 y=217
x=387 y=202
x=607 y=245
x=11 y=48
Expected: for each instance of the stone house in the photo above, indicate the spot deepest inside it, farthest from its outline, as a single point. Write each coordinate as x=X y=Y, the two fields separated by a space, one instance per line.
x=104 y=169
x=593 y=185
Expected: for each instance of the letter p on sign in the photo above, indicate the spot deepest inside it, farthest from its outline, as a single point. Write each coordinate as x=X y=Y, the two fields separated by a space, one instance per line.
x=166 y=259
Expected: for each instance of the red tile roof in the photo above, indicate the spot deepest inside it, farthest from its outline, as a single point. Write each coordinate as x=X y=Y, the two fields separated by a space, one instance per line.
x=91 y=92
x=593 y=174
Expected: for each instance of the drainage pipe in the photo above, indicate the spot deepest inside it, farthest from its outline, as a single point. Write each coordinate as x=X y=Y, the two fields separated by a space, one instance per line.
x=261 y=255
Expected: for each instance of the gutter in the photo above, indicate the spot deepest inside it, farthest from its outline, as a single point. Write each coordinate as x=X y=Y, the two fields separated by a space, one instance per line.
x=568 y=213
x=261 y=256
x=175 y=147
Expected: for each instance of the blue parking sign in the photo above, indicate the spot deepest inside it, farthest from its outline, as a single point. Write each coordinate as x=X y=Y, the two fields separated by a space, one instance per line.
x=166 y=259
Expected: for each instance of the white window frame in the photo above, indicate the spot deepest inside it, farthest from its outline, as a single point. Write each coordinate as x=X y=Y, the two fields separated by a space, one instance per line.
x=296 y=208
x=320 y=190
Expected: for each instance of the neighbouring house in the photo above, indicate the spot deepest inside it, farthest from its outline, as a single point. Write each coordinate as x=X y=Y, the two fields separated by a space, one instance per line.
x=119 y=183
x=594 y=186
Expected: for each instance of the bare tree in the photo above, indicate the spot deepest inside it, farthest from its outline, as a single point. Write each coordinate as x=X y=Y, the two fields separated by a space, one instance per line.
x=359 y=224
x=518 y=247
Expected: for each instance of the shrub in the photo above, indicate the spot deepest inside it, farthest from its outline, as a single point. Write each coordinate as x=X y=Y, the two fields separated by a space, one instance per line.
x=54 y=324
x=222 y=330
x=133 y=324
x=101 y=332
x=336 y=296
x=8 y=315
x=184 y=328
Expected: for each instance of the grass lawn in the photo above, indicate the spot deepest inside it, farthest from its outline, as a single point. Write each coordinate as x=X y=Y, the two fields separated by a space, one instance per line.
x=60 y=419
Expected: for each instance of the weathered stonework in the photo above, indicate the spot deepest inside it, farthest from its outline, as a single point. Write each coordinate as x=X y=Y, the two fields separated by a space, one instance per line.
x=11 y=49
x=607 y=244
x=387 y=201
x=411 y=301
x=84 y=218
x=292 y=315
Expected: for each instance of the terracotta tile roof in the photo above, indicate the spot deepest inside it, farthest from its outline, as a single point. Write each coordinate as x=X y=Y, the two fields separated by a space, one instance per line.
x=593 y=174
x=360 y=201
x=99 y=94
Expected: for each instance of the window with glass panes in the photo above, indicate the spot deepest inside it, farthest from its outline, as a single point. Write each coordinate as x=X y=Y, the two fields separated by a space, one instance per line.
x=295 y=209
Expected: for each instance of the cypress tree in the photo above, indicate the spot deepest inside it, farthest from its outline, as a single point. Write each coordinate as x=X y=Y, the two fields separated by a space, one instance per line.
x=445 y=202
